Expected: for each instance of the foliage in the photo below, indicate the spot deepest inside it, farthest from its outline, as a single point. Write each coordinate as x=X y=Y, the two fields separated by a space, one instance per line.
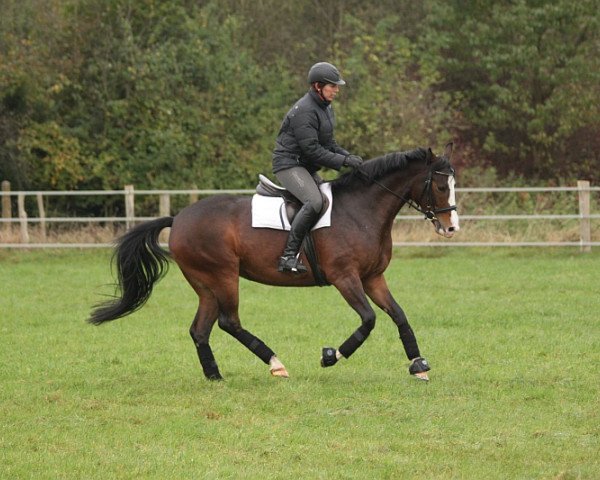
x=526 y=76
x=177 y=103
x=391 y=104
x=183 y=93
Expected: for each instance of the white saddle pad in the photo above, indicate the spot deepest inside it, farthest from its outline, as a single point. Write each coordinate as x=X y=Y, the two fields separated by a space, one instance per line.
x=269 y=212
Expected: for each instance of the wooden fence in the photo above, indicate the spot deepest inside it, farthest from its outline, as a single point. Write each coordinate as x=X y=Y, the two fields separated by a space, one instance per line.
x=583 y=191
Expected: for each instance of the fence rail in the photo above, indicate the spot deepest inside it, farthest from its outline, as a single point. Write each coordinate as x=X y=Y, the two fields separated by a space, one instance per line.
x=583 y=191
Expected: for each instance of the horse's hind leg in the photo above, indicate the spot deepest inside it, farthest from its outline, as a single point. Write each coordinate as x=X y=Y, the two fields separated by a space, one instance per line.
x=206 y=316
x=377 y=289
x=229 y=321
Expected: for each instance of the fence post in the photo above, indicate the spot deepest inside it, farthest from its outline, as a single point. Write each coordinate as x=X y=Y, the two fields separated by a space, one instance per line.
x=6 y=207
x=165 y=211
x=584 y=215
x=42 y=214
x=22 y=218
x=193 y=196
x=129 y=206
x=165 y=205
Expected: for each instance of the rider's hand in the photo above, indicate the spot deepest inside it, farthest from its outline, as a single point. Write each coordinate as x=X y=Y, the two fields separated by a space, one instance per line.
x=353 y=161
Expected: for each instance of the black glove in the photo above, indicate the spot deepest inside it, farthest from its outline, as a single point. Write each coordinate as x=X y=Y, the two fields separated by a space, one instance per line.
x=353 y=161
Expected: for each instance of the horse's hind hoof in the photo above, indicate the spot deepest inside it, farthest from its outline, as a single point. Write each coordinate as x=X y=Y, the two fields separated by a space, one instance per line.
x=419 y=368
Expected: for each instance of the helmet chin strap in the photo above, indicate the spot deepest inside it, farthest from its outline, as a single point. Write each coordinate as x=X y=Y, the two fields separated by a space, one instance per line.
x=319 y=91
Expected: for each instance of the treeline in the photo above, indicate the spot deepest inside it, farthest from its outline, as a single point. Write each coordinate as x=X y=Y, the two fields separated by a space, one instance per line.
x=177 y=93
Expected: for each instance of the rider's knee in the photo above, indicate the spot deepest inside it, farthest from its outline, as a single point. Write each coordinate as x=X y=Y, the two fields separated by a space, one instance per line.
x=315 y=204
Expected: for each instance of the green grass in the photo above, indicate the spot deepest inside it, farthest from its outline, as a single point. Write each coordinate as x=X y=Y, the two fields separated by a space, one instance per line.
x=513 y=337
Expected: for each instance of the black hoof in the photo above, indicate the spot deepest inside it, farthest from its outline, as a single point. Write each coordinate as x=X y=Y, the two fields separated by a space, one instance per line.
x=419 y=365
x=214 y=376
x=328 y=359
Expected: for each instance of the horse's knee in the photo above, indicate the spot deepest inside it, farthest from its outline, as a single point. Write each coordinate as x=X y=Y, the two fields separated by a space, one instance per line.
x=368 y=323
x=359 y=336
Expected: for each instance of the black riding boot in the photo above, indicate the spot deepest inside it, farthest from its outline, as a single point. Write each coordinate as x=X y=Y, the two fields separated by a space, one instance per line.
x=303 y=222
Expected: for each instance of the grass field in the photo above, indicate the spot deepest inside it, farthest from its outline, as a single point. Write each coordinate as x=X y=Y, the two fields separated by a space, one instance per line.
x=513 y=337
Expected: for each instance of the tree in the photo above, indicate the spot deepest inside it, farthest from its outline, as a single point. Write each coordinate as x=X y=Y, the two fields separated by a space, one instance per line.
x=525 y=74
x=389 y=103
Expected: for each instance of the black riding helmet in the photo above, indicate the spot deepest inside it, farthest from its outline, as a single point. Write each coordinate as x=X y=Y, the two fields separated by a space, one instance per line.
x=324 y=72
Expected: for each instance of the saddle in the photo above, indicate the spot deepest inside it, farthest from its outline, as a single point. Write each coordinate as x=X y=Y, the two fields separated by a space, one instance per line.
x=267 y=188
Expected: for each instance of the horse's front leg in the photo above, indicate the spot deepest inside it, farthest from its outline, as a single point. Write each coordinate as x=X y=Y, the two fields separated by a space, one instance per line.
x=352 y=291
x=377 y=289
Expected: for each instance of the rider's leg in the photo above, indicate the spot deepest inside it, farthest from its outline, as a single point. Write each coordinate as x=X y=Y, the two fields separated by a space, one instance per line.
x=302 y=185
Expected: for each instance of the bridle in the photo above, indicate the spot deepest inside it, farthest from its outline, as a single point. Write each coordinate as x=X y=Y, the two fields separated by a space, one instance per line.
x=429 y=211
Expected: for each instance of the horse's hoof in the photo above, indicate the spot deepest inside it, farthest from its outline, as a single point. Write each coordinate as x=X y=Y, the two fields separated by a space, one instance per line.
x=422 y=376
x=419 y=368
x=329 y=357
x=280 y=372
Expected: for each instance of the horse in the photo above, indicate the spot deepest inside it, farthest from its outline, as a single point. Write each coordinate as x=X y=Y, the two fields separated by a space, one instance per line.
x=214 y=244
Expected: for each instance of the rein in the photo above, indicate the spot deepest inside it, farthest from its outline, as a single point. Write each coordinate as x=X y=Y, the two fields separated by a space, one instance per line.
x=430 y=211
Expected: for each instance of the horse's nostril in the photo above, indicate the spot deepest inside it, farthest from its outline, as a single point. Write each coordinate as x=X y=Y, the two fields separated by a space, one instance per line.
x=450 y=229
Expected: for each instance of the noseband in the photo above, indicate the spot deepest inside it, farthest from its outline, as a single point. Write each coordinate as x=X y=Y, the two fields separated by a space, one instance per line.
x=429 y=211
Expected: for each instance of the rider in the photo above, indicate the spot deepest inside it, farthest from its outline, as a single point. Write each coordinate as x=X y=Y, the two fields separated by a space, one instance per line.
x=304 y=144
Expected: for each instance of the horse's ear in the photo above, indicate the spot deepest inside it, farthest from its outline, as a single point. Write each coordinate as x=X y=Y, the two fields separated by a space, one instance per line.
x=448 y=150
x=429 y=156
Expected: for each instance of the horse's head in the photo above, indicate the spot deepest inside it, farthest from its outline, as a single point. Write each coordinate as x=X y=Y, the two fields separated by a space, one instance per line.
x=436 y=197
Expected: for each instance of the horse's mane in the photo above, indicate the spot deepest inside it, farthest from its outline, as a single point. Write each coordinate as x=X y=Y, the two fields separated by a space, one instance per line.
x=380 y=166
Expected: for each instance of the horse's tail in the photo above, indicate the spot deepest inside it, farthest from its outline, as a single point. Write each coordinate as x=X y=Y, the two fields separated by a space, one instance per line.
x=140 y=263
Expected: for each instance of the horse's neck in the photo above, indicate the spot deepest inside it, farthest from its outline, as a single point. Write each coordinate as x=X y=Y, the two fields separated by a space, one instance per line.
x=375 y=201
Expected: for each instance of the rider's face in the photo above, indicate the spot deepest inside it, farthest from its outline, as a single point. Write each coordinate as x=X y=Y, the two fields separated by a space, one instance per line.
x=330 y=91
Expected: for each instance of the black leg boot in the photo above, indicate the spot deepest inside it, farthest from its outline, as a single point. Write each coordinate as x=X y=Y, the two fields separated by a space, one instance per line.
x=303 y=222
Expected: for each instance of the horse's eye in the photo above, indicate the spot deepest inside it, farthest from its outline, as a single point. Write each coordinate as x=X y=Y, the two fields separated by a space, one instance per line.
x=443 y=188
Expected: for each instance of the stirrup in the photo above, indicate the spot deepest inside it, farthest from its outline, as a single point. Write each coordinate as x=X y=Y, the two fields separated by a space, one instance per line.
x=291 y=264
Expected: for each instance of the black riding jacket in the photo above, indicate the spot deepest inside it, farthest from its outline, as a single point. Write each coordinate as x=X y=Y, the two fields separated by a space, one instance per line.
x=306 y=137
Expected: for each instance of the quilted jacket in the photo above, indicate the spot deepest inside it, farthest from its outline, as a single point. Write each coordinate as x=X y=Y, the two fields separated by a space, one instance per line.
x=306 y=137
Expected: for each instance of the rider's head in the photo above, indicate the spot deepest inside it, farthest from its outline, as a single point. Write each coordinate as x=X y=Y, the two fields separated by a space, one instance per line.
x=324 y=74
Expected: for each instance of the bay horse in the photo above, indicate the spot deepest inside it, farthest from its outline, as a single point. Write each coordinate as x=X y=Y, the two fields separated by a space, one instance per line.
x=213 y=243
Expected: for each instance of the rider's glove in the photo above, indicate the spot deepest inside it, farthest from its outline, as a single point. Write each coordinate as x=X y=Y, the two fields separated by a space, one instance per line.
x=353 y=161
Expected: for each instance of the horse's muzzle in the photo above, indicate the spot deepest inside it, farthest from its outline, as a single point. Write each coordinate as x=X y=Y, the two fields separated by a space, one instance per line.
x=446 y=231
